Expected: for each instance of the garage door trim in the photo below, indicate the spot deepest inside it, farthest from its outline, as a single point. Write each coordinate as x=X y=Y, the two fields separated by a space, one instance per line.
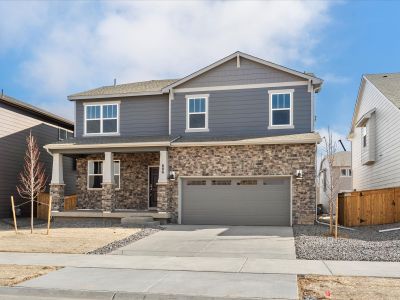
x=182 y=178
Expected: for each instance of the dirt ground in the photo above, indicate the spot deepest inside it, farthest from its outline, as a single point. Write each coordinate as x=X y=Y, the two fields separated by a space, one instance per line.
x=61 y=240
x=14 y=274
x=356 y=288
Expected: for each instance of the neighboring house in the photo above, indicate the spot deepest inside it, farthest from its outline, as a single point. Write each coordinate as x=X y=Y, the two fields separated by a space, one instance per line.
x=17 y=119
x=220 y=146
x=375 y=133
x=341 y=174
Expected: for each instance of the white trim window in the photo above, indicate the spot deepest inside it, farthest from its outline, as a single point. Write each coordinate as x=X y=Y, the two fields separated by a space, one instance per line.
x=196 y=113
x=62 y=134
x=95 y=174
x=364 y=136
x=117 y=174
x=281 y=109
x=101 y=119
x=345 y=172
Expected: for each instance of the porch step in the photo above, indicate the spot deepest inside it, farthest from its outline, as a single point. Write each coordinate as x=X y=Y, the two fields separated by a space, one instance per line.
x=136 y=220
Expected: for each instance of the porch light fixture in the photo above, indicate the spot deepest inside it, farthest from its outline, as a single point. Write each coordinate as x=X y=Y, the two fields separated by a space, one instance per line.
x=299 y=174
x=171 y=175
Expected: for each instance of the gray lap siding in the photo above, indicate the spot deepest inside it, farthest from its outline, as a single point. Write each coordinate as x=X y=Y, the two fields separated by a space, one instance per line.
x=242 y=113
x=139 y=116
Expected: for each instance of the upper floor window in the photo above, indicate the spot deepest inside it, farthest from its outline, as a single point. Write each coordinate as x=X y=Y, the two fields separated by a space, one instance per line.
x=364 y=136
x=197 y=113
x=345 y=172
x=101 y=118
x=281 y=109
x=62 y=134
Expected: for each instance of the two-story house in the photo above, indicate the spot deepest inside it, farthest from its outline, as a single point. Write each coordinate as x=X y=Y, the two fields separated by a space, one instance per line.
x=17 y=120
x=232 y=143
x=375 y=134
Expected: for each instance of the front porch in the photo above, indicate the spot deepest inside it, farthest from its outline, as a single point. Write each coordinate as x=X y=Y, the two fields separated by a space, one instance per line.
x=114 y=216
x=113 y=182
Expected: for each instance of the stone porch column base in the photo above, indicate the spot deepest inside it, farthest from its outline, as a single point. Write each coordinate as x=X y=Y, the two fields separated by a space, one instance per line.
x=162 y=200
x=57 y=195
x=107 y=197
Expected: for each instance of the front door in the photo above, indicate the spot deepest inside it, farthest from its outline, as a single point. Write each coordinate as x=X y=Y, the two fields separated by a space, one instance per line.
x=153 y=179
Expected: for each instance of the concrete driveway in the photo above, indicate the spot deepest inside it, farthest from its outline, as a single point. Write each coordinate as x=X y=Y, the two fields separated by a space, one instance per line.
x=216 y=241
x=189 y=262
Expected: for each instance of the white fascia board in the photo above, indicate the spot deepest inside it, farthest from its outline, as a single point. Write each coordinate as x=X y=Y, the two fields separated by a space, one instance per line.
x=112 y=145
x=118 y=95
x=241 y=87
x=356 y=106
x=313 y=140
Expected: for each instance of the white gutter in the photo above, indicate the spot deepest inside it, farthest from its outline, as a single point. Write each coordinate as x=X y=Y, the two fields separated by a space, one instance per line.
x=112 y=145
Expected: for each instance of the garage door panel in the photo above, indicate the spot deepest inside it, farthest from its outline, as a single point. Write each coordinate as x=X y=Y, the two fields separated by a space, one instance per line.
x=243 y=201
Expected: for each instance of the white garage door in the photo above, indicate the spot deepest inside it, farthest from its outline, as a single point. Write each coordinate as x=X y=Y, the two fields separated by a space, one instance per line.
x=236 y=201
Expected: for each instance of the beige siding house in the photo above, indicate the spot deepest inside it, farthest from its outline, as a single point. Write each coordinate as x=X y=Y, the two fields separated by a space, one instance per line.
x=342 y=173
x=375 y=133
x=17 y=119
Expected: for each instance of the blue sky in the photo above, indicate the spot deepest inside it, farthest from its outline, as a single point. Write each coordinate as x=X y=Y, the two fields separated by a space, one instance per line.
x=52 y=49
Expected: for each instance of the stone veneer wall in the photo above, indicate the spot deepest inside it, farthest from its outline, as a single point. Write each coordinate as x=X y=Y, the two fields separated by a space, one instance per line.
x=208 y=161
x=133 y=192
x=250 y=160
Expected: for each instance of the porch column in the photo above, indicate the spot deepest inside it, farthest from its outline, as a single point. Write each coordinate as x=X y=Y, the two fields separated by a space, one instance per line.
x=108 y=182
x=162 y=199
x=57 y=183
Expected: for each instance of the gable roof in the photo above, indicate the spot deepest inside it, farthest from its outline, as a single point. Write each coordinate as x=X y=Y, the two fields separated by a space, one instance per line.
x=340 y=159
x=308 y=76
x=158 y=87
x=388 y=84
x=151 y=87
x=37 y=111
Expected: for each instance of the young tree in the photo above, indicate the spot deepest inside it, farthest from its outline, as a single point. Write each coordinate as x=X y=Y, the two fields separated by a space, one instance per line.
x=332 y=180
x=32 y=179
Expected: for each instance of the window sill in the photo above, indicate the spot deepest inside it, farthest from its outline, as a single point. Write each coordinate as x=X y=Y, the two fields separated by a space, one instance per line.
x=197 y=130
x=100 y=189
x=101 y=134
x=281 y=127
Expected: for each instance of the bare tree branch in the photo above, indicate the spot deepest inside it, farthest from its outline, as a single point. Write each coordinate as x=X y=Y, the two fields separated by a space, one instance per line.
x=32 y=179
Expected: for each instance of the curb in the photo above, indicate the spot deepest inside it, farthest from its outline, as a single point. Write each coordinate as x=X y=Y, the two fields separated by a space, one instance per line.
x=40 y=293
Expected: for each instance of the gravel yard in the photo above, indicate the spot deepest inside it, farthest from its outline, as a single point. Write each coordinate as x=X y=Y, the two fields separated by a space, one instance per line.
x=364 y=243
x=70 y=237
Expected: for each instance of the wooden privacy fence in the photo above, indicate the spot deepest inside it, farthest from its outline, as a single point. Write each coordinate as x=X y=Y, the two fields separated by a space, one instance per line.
x=370 y=207
x=70 y=202
x=43 y=202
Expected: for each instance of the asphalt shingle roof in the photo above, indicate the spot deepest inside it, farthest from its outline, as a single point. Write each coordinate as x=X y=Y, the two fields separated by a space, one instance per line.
x=388 y=84
x=151 y=86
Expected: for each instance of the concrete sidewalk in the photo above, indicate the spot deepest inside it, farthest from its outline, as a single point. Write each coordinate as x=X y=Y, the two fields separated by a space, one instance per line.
x=207 y=264
x=158 y=282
